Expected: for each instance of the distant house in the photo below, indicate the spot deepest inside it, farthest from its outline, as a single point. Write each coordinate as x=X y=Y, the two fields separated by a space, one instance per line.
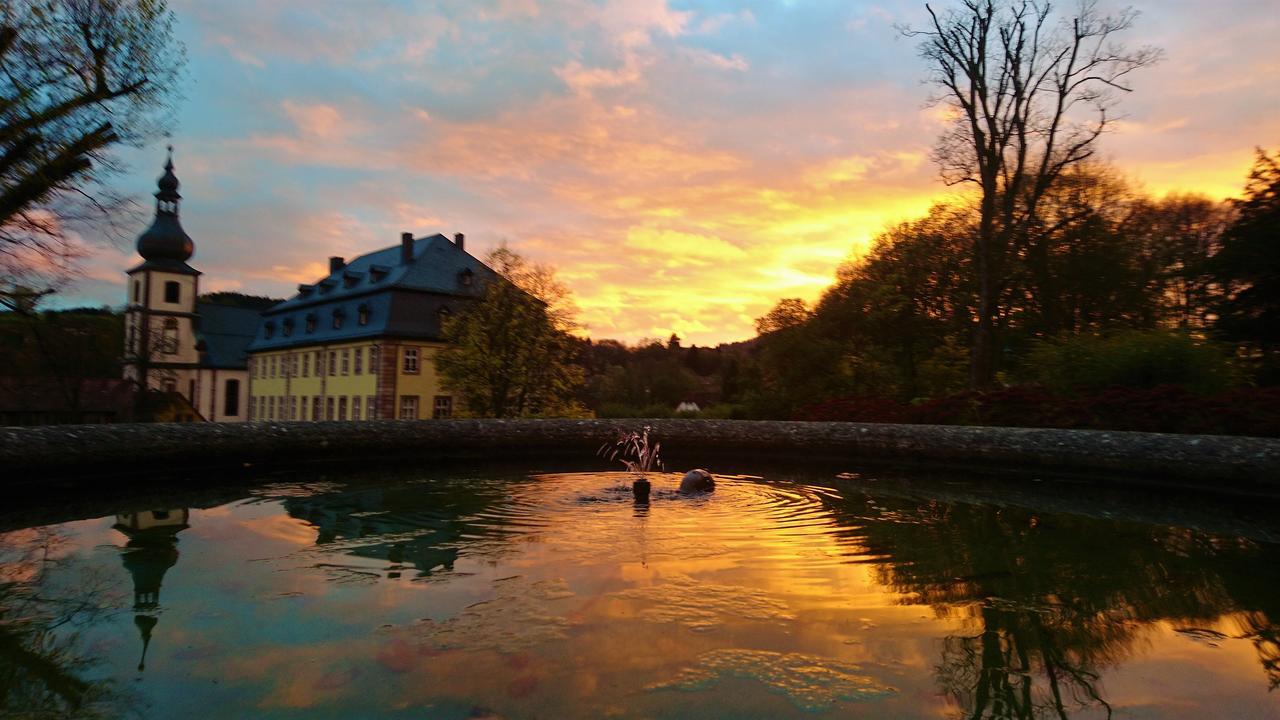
x=173 y=342
x=360 y=343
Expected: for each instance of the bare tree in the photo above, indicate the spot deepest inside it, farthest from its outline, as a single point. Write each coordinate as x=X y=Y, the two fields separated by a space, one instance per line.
x=77 y=77
x=1030 y=96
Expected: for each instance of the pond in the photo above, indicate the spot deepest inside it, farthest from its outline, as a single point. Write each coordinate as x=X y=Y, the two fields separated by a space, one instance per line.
x=825 y=593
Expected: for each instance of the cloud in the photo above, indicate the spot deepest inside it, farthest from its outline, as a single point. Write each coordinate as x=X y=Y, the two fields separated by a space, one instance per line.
x=683 y=167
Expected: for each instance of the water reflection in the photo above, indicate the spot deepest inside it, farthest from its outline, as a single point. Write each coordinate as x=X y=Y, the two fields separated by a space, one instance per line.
x=557 y=595
x=48 y=596
x=417 y=525
x=1053 y=599
x=152 y=549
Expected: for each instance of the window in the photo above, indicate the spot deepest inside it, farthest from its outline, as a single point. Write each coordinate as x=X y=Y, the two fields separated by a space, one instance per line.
x=373 y=359
x=465 y=277
x=317 y=410
x=286 y=327
x=362 y=316
x=408 y=407
x=306 y=365
x=169 y=337
x=311 y=322
x=293 y=407
x=355 y=407
x=319 y=363
x=443 y=407
x=172 y=291
x=342 y=408
x=329 y=410
x=333 y=363
x=346 y=362
x=268 y=329
x=231 y=398
x=169 y=385
x=359 y=367
x=137 y=291
x=411 y=361
x=337 y=319
x=271 y=411
x=371 y=409
x=133 y=339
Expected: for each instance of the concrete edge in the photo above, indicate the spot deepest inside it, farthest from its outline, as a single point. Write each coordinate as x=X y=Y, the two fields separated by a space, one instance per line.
x=1238 y=464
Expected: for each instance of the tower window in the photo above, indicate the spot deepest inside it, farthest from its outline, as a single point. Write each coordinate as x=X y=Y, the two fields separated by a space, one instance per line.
x=172 y=291
x=137 y=291
x=169 y=337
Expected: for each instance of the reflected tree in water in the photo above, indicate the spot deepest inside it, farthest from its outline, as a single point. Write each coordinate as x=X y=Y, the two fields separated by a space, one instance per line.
x=424 y=526
x=47 y=598
x=1054 y=599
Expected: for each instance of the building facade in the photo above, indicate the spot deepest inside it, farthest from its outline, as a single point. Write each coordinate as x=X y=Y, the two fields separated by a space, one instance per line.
x=194 y=352
x=360 y=344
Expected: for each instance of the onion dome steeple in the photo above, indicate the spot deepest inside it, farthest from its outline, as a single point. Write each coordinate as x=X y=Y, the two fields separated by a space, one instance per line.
x=166 y=241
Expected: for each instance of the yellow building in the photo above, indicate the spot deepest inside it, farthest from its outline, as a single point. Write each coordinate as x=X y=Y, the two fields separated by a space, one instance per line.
x=360 y=344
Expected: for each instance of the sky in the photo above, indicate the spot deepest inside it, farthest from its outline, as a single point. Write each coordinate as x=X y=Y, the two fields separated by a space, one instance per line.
x=682 y=164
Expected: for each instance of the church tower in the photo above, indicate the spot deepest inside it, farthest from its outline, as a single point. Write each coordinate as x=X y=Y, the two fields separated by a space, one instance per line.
x=160 y=335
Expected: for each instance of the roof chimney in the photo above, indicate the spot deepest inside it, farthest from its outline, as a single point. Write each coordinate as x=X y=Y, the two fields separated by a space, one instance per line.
x=406 y=248
x=459 y=239
x=335 y=264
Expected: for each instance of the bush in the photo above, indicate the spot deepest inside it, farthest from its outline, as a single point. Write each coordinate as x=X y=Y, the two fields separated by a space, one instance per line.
x=1167 y=408
x=1132 y=359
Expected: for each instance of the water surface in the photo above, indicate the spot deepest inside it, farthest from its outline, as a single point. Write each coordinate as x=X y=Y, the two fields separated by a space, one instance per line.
x=411 y=595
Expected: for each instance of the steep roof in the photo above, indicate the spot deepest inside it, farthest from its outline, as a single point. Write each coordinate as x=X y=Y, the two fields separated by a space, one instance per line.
x=226 y=333
x=377 y=294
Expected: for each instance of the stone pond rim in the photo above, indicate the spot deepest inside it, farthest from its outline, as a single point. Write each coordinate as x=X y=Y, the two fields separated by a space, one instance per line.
x=1234 y=464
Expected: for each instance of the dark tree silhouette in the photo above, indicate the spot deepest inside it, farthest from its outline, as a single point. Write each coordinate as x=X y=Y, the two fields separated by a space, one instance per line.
x=1030 y=96
x=77 y=77
x=1248 y=267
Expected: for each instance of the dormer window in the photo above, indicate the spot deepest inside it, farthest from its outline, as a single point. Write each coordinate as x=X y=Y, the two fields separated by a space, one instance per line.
x=349 y=279
x=443 y=314
x=286 y=328
x=466 y=277
x=326 y=286
x=306 y=290
x=362 y=315
x=268 y=330
x=338 y=317
x=378 y=272
x=311 y=322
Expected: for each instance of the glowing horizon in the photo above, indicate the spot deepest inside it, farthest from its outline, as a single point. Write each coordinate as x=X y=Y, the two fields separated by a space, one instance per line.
x=682 y=165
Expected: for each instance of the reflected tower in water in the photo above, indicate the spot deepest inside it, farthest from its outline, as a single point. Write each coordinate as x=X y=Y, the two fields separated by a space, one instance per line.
x=152 y=549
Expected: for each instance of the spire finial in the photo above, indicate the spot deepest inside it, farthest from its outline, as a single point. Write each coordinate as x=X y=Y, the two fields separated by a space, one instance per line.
x=168 y=163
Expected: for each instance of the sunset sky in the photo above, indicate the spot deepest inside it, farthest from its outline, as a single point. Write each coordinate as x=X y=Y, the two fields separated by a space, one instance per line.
x=683 y=164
